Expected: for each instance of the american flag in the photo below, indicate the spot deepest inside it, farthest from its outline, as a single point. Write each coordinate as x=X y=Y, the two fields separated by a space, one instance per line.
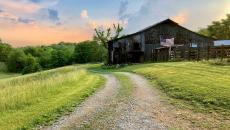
x=166 y=41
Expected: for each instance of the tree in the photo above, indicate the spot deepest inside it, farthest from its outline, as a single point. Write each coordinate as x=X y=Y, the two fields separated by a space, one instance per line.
x=89 y=51
x=34 y=51
x=5 y=50
x=218 y=29
x=45 y=58
x=16 y=61
x=62 y=55
x=104 y=35
x=31 y=65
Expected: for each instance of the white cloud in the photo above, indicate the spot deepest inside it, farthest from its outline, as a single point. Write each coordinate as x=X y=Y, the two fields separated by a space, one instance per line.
x=102 y=23
x=106 y=23
x=84 y=14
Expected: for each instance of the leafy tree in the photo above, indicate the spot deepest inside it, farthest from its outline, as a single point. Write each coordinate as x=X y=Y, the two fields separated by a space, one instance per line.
x=32 y=59
x=104 y=35
x=89 y=51
x=16 y=61
x=5 y=50
x=31 y=65
x=218 y=29
x=62 y=55
x=45 y=58
x=34 y=51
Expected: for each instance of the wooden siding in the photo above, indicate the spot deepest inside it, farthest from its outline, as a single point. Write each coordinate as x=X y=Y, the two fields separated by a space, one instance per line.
x=145 y=45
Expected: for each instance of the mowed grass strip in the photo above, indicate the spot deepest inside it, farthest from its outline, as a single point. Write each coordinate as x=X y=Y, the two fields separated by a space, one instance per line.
x=36 y=99
x=126 y=89
x=200 y=84
x=106 y=119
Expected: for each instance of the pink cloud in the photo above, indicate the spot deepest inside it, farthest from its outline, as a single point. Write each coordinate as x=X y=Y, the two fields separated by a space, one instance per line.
x=8 y=16
x=22 y=34
x=181 y=18
x=19 y=6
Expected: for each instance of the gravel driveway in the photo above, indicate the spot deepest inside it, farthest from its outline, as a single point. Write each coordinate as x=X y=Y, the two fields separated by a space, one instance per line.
x=104 y=110
x=92 y=105
x=138 y=112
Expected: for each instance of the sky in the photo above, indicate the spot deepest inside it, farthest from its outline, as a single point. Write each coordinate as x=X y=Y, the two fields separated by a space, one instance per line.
x=42 y=22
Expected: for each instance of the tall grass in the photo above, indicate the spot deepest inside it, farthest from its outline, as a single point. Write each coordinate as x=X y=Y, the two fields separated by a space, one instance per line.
x=198 y=83
x=30 y=100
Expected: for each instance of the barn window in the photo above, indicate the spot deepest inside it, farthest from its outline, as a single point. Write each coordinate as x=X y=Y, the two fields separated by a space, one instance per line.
x=193 y=45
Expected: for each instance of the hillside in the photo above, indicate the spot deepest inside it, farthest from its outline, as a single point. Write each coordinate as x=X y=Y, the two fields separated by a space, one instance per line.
x=30 y=100
x=194 y=95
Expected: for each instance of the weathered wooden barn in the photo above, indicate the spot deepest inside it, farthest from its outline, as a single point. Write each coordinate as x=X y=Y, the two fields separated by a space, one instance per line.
x=145 y=45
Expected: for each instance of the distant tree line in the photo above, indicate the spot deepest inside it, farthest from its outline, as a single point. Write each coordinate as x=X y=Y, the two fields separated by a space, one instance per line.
x=32 y=59
x=218 y=29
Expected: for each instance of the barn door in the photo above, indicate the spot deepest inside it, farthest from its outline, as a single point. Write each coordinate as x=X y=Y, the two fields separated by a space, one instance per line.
x=148 y=52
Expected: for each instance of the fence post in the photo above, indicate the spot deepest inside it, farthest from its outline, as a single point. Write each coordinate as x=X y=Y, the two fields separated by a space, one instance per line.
x=208 y=52
x=222 y=52
x=189 y=53
x=198 y=53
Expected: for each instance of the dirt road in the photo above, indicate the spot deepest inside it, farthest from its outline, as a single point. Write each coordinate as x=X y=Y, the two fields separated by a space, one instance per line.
x=132 y=104
x=107 y=110
x=87 y=109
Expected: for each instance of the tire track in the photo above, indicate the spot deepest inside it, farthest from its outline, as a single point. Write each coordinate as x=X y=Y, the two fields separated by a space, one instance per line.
x=138 y=113
x=88 y=108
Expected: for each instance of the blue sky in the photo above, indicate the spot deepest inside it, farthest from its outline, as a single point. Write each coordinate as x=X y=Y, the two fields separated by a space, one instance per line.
x=35 y=22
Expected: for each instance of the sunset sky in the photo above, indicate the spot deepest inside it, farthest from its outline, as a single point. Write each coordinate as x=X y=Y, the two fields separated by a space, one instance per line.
x=36 y=22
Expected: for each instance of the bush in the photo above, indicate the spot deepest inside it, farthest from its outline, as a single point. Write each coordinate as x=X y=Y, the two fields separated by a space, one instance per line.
x=16 y=61
x=89 y=51
x=5 y=50
x=62 y=55
x=45 y=59
x=31 y=65
x=3 y=67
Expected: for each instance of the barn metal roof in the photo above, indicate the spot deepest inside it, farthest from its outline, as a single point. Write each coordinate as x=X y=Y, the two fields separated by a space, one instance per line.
x=162 y=22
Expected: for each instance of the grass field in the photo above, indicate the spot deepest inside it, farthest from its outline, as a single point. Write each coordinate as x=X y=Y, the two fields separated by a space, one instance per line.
x=200 y=84
x=35 y=99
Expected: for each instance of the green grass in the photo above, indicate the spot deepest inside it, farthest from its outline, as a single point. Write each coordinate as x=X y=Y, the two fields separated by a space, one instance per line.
x=200 y=84
x=126 y=88
x=36 y=99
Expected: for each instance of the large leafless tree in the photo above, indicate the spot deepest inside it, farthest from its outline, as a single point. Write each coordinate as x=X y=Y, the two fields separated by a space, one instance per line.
x=104 y=35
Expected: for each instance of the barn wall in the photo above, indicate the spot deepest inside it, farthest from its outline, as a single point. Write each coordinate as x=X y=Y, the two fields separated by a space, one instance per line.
x=183 y=37
x=143 y=45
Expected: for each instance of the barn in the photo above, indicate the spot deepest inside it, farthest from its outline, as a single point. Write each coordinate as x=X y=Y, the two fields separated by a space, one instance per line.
x=164 y=41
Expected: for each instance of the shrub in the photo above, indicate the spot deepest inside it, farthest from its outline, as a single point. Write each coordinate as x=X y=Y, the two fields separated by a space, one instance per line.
x=5 y=50
x=31 y=65
x=45 y=59
x=62 y=55
x=3 y=67
x=90 y=51
x=16 y=61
